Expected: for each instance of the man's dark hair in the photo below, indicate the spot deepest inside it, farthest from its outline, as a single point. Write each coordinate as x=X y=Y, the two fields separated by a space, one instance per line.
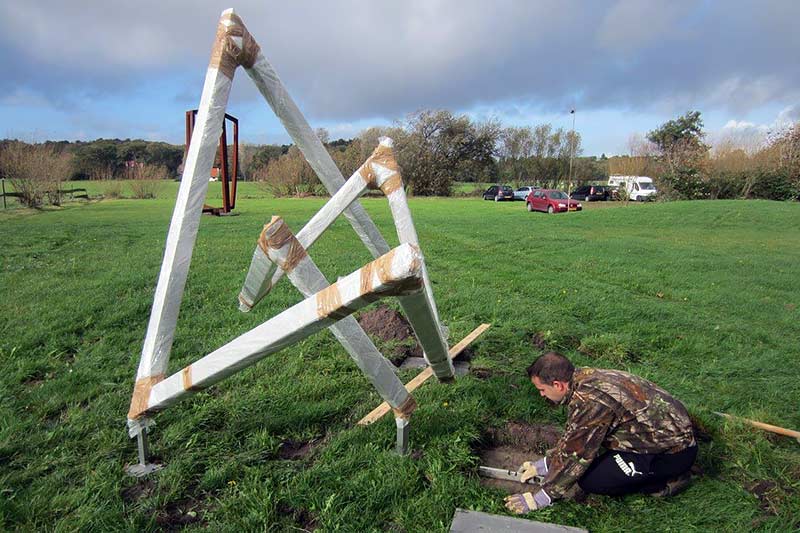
x=551 y=367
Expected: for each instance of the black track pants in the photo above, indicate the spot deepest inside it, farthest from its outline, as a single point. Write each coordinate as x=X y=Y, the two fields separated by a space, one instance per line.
x=616 y=473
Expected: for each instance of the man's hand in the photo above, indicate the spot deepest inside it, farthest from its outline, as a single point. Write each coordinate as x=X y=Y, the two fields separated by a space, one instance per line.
x=535 y=470
x=527 y=502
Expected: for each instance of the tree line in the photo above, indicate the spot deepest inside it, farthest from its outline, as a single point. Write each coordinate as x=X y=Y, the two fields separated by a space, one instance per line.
x=435 y=149
x=684 y=166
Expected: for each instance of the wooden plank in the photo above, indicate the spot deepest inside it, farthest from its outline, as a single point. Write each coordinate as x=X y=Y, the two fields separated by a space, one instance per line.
x=761 y=425
x=412 y=385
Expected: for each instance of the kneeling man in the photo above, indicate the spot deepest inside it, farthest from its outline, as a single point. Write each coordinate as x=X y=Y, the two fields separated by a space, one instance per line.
x=624 y=434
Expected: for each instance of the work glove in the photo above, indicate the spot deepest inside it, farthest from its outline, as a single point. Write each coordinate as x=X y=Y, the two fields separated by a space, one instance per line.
x=527 y=502
x=535 y=470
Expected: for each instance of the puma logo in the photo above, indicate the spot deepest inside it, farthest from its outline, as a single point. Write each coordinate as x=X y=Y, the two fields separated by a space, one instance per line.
x=627 y=468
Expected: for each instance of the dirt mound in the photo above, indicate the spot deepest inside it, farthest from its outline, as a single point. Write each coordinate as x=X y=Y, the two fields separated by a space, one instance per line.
x=510 y=446
x=177 y=515
x=392 y=333
x=763 y=489
x=142 y=489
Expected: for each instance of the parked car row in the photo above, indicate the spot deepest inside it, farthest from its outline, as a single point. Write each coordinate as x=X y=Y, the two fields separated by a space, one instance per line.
x=637 y=188
x=587 y=193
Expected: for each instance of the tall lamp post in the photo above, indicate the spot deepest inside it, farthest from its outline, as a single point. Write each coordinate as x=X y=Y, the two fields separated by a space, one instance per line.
x=571 y=155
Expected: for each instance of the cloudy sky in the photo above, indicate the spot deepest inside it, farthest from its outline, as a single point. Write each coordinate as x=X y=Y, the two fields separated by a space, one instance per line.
x=114 y=69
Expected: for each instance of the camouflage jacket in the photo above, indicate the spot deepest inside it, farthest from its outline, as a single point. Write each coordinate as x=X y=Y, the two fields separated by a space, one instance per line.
x=614 y=410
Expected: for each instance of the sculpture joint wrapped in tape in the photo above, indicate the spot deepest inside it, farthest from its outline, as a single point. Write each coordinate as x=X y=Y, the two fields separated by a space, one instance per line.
x=400 y=272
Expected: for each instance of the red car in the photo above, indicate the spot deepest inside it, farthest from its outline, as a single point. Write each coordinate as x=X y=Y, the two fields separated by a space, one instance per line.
x=551 y=200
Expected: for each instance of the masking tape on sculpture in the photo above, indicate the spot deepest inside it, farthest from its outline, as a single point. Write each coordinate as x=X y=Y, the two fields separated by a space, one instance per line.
x=141 y=394
x=405 y=410
x=233 y=45
x=288 y=327
x=257 y=282
x=381 y=169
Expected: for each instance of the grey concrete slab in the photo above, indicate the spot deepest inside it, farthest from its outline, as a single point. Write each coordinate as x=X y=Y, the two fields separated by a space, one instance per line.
x=475 y=521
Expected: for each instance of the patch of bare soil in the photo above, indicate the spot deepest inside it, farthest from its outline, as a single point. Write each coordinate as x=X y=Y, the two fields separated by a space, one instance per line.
x=481 y=373
x=466 y=355
x=762 y=489
x=394 y=333
x=142 y=489
x=510 y=446
x=179 y=514
x=305 y=520
x=294 y=450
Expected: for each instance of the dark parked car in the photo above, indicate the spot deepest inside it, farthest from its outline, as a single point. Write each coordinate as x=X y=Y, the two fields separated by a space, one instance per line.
x=498 y=193
x=551 y=200
x=589 y=193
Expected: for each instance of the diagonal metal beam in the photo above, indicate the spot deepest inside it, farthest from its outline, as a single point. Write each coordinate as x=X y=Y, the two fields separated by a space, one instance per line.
x=284 y=249
x=231 y=47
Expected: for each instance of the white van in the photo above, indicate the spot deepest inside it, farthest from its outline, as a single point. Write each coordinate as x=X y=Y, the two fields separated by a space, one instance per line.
x=639 y=188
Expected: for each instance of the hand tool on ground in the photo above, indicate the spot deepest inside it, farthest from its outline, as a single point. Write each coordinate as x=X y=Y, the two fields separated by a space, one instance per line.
x=502 y=473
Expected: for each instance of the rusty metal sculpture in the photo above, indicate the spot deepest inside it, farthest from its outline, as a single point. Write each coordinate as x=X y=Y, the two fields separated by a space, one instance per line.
x=225 y=174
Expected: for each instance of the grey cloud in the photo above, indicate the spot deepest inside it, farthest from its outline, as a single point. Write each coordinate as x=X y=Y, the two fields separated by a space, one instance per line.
x=353 y=59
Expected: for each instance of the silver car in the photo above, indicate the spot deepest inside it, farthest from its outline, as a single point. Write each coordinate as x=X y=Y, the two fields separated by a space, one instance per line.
x=523 y=192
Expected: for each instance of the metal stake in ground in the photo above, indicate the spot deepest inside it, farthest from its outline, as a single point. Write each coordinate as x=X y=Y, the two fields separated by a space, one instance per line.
x=143 y=467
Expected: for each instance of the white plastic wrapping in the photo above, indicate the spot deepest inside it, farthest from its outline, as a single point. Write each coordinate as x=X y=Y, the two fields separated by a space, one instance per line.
x=184 y=224
x=273 y=90
x=401 y=214
x=289 y=327
x=257 y=283
x=232 y=44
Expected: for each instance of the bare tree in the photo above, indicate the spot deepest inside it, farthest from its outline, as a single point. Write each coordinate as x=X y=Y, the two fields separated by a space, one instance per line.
x=147 y=180
x=247 y=153
x=515 y=147
x=323 y=134
x=288 y=175
x=35 y=171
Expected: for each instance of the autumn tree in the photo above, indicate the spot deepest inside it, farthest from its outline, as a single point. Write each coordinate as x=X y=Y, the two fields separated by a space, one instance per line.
x=35 y=171
x=436 y=147
x=681 y=149
x=515 y=147
x=288 y=175
x=147 y=179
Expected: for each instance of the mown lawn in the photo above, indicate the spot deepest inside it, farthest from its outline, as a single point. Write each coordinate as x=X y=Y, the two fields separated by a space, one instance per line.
x=700 y=297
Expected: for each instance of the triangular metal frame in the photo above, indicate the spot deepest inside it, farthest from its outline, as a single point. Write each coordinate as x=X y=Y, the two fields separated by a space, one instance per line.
x=399 y=272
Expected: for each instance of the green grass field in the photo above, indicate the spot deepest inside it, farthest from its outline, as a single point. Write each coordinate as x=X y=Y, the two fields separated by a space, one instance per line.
x=700 y=297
